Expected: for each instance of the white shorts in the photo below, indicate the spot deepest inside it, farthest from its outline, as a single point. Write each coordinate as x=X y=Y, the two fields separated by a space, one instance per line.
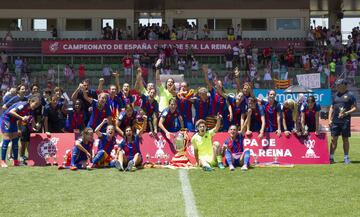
x=127 y=71
x=228 y=64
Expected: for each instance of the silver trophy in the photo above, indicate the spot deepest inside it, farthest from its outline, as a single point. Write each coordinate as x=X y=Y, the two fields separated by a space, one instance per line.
x=158 y=160
x=166 y=158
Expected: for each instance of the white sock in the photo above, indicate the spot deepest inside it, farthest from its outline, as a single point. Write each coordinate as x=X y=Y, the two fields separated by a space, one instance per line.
x=346 y=156
x=331 y=156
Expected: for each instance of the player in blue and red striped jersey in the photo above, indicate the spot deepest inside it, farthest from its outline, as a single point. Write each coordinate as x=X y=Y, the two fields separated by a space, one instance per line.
x=129 y=153
x=289 y=116
x=10 y=120
x=151 y=108
x=272 y=113
x=218 y=102
x=201 y=104
x=184 y=105
x=107 y=141
x=100 y=110
x=310 y=116
x=170 y=119
x=82 y=151
x=256 y=122
x=126 y=118
x=19 y=97
x=233 y=148
x=124 y=92
x=75 y=119
x=238 y=109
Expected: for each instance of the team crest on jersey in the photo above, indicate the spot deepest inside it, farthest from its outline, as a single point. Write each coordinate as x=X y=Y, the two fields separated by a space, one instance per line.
x=47 y=148
x=346 y=97
x=310 y=153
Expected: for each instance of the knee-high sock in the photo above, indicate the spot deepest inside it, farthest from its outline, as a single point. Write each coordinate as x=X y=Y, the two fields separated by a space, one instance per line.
x=99 y=155
x=74 y=156
x=228 y=157
x=15 y=147
x=4 y=148
x=247 y=157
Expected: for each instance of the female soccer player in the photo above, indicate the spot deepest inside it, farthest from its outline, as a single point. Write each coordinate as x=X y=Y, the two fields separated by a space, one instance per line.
x=310 y=116
x=207 y=153
x=167 y=92
x=75 y=119
x=289 y=117
x=129 y=153
x=256 y=122
x=21 y=91
x=100 y=110
x=126 y=118
x=184 y=105
x=238 y=109
x=151 y=108
x=218 y=102
x=201 y=104
x=83 y=150
x=10 y=120
x=272 y=113
x=170 y=120
x=233 y=147
x=107 y=141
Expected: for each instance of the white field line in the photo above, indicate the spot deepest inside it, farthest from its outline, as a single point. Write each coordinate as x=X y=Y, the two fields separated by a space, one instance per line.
x=189 y=199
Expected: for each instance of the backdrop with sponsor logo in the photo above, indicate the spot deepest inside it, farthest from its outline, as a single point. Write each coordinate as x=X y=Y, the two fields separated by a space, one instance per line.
x=208 y=47
x=322 y=96
x=288 y=150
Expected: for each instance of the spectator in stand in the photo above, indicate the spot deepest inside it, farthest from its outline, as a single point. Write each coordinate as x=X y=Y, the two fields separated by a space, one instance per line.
x=206 y=32
x=18 y=67
x=229 y=60
x=129 y=33
x=117 y=34
x=68 y=73
x=107 y=32
x=230 y=33
x=127 y=64
x=238 y=32
x=106 y=73
x=51 y=74
x=81 y=72
x=54 y=32
x=8 y=36
x=236 y=55
x=194 y=68
x=181 y=65
x=266 y=55
x=168 y=52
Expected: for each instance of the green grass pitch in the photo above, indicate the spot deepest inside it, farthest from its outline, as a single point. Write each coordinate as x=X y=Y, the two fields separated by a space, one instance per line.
x=326 y=190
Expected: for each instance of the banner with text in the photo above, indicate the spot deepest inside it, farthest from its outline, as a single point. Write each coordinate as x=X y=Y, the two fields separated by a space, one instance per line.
x=311 y=80
x=216 y=47
x=322 y=96
x=288 y=150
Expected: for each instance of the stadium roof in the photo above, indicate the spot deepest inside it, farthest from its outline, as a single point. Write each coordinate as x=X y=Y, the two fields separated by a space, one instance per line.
x=349 y=6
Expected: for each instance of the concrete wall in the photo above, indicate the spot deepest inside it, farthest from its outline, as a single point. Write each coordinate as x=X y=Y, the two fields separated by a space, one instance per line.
x=202 y=15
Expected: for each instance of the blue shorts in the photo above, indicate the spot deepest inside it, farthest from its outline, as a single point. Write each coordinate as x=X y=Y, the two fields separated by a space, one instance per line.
x=8 y=127
x=342 y=129
x=189 y=125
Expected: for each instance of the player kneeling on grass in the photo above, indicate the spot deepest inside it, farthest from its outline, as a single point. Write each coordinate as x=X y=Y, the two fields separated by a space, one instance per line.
x=129 y=154
x=82 y=151
x=233 y=147
x=207 y=153
x=107 y=141
x=18 y=114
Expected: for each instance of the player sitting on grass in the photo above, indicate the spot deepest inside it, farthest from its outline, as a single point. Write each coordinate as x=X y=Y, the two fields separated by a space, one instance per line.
x=107 y=141
x=82 y=151
x=207 y=153
x=129 y=153
x=233 y=147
